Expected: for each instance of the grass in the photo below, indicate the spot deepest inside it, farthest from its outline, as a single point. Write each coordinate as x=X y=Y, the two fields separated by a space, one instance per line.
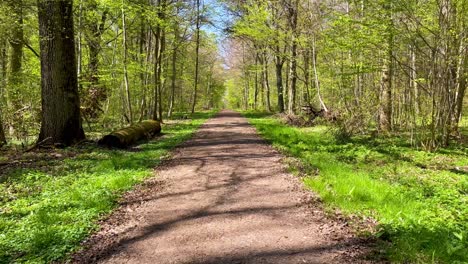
x=46 y=212
x=418 y=198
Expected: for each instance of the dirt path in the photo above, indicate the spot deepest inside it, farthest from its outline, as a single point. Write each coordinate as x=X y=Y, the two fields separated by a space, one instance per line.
x=224 y=197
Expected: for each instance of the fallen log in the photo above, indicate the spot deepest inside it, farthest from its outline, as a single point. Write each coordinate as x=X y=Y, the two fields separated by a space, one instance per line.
x=127 y=136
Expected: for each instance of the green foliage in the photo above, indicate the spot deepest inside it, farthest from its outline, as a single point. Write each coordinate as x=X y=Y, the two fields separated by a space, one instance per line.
x=45 y=214
x=100 y=59
x=254 y=23
x=418 y=198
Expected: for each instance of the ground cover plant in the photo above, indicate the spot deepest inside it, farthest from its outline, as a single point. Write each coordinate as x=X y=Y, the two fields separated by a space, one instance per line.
x=47 y=210
x=418 y=198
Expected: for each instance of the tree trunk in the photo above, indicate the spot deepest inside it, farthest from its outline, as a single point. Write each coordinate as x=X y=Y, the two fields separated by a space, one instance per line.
x=293 y=16
x=461 y=91
x=160 y=74
x=127 y=136
x=3 y=74
x=61 y=120
x=16 y=63
x=142 y=50
x=247 y=92
x=256 y=81
x=16 y=42
x=174 y=70
x=386 y=105
x=125 y=71
x=157 y=65
x=306 y=94
x=385 y=115
x=2 y=132
x=96 y=29
x=96 y=93
x=414 y=82
x=79 y=38
x=461 y=79
x=197 y=58
x=266 y=81
x=317 y=80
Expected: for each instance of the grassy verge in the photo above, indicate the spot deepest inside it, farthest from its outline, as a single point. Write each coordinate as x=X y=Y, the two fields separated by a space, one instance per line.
x=46 y=212
x=418 y=198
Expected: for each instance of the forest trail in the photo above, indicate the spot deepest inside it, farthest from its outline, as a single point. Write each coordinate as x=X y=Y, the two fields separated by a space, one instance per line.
x=224 y=197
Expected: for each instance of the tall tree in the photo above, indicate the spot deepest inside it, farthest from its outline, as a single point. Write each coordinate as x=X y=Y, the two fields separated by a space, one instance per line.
x=265 y=79
x=3 y=73
x=16 y=60
x=197 y=56
x=61 y=119
x=386 y=103
x=293 y=10
x=175 y=50
x=92 y=25
x=126 y=81
x=159 y=50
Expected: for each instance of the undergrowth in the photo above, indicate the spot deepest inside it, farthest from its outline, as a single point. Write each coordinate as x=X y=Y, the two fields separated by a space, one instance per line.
x=46 y=213
x=418 y=198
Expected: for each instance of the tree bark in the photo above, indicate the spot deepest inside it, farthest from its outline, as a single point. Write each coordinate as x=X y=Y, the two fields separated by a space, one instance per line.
x=461 y=88
x=16 y=43
x=256 y=81
x=197 y=57
x=61 y=120
x=385 y=115
x=96 y=93
x=160 y=74
x=266 y=81
x=96 y=28
x=386 y=104
x=160 y=40
x=125 y=71
x=174 y=70
x=142 y=41
x=293 y=16
x=317 y=80
x=306 y=94
x=16 y=62
x=3 y=74
x=2 y=132
x=127 y=136
x=157 y=65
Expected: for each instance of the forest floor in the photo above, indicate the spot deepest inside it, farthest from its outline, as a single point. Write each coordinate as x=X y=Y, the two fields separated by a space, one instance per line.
x=225 y=196
x=417 y=198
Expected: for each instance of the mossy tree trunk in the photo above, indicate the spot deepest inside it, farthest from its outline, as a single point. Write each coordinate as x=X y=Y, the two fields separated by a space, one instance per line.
x=127 y=136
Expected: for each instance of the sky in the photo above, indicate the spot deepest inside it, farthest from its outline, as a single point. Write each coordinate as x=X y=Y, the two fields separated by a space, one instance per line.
x=220 y=17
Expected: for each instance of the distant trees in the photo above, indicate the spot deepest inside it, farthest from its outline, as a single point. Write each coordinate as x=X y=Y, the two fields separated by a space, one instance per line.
x=133 y=60
x=92 y=25
x=16 y=58
x=389 y=66
x=383 y=66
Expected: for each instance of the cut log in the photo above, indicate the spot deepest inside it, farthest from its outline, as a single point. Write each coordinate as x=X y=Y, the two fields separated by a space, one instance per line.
x=125 y=137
